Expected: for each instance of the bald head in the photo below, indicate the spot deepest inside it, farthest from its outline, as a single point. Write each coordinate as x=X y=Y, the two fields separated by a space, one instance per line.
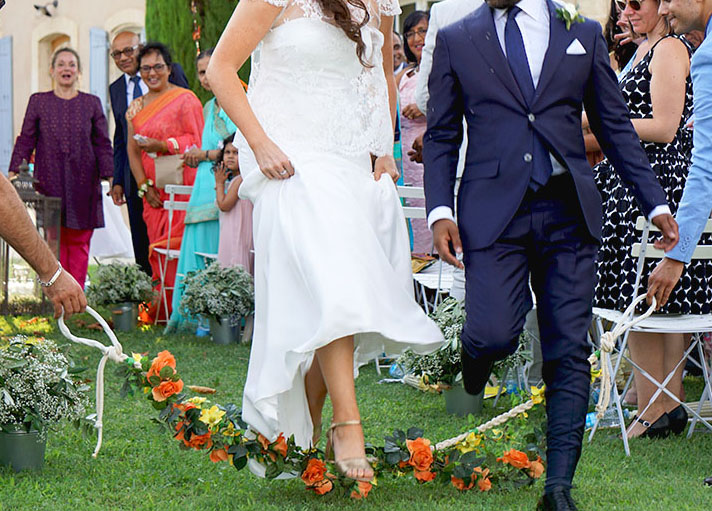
x=124 y=50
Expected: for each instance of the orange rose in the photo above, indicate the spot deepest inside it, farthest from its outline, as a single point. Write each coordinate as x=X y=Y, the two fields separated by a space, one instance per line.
x=281 y=446
x=180 y=435
x=515 y=458
x=163 y=359
x=460 y=484
x=325 y=486
x=217 y=455
x=484 y=484
x=314 y=473
x=421 y=457
x=166 y=389
x=537 y=468
x=198 y=442
x=262 y=440
x=362 y=490
x=183 y=407
x=424 y=476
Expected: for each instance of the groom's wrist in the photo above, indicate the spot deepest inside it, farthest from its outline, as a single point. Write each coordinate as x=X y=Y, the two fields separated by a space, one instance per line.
x=440 y=213
x=662 y=209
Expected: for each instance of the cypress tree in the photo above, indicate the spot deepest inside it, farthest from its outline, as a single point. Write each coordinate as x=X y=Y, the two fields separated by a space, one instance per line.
x=171 y=22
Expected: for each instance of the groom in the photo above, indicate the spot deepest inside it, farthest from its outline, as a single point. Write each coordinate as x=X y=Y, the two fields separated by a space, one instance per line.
x=528 y=205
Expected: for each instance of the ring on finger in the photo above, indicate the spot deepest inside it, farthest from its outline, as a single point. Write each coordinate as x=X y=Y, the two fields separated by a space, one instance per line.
x=283 y=173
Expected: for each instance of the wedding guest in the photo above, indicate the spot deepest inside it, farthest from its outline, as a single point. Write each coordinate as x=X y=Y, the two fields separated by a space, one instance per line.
x=165 y=121
x=236 y=246
x=202 y=231
x=658 y=91
x=399 y=60
x=126 y=88
x=412 y=121
x=67 y=131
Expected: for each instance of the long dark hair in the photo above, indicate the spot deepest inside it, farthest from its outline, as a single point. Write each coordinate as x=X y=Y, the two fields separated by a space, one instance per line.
x=339 y=10
x=622 y=53
x=412 y=20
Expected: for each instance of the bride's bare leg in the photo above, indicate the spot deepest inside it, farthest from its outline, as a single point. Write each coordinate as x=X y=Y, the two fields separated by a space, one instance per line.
x=316 y=396
x=337 y=366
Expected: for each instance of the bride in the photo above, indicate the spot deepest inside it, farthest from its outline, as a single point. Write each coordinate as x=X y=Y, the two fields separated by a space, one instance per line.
x=333 y=285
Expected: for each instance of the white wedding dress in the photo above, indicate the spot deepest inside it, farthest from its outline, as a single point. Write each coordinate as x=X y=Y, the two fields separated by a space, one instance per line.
x=332 y=254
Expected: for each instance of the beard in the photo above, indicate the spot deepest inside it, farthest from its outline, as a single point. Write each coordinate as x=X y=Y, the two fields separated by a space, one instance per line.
x=502 y=4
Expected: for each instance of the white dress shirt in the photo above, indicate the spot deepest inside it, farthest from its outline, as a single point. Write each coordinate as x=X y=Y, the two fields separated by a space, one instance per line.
x=130 y=88
x=533 y=23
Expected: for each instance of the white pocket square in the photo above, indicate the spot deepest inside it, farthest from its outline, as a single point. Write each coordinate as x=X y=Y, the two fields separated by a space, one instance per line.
x=576 y=48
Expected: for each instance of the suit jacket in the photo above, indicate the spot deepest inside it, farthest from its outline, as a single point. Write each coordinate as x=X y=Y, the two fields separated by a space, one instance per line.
x=471 y=78
x=117 y=92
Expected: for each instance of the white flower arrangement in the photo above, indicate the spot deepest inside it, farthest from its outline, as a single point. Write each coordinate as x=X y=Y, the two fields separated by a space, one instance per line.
x=36 y=387
x=569 y=14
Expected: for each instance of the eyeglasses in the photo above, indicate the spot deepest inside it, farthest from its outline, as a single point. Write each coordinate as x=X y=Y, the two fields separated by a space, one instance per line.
x=156 y=67
x=412 y=33
x=126 y=52
x=634 y=4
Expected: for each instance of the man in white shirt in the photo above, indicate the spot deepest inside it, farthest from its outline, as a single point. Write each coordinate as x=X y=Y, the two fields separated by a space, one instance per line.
x=528 y=206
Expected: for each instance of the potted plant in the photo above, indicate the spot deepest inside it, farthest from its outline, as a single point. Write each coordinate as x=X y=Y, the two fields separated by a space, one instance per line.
x=225 y=295
x=122 y=286
x=442 y=370
x=36 y=392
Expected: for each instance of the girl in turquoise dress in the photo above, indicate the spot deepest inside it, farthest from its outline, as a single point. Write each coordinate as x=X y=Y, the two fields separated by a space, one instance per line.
x=202 y=231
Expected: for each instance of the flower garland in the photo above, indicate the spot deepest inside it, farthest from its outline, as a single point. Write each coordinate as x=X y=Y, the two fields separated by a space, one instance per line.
x=480 y=460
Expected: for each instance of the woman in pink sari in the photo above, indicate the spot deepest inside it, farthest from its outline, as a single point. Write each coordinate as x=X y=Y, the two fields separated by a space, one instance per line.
x=167 y=120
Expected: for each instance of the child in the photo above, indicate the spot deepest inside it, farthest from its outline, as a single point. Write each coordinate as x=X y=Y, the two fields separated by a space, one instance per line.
x=236 y=245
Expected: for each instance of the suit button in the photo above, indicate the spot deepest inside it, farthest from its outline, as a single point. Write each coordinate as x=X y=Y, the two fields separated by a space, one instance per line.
x=528 y=157
x=492 y=70
x=531 y=117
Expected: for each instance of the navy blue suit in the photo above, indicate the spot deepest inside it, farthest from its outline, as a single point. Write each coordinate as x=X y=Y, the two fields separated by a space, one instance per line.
x=511 y=232
x=122 y=169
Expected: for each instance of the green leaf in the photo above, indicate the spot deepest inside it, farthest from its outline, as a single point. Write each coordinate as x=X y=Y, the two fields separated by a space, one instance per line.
x=240 y=463
x=167 y=372
x=415 y=433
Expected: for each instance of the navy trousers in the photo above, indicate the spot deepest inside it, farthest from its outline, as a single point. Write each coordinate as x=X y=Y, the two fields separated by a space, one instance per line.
x=139 y=233
x=548 y=240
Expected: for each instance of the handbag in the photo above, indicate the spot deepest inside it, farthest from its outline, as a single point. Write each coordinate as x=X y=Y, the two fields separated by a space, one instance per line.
x=169 y=170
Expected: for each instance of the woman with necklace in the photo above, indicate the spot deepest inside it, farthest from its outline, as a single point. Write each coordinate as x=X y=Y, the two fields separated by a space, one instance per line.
x=67 y=131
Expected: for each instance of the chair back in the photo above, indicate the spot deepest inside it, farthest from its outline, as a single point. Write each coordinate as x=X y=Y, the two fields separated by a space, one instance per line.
x=172 y=204
x=645 y=251
x=412 y=192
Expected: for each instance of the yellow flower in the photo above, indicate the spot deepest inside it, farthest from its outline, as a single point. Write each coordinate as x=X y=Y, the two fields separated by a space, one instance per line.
x=538 y=394
x=212 y=416
x=136 y=357
x=595 y=373
x=470 y=443
x=230 y=430
x=146 y=390
x=197 y=401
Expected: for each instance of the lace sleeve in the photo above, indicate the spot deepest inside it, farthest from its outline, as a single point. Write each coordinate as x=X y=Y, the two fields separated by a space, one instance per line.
x=389 y=7
x=277 y=3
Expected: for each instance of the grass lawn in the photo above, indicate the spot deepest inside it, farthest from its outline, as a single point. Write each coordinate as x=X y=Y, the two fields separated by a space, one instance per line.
x=141 y=468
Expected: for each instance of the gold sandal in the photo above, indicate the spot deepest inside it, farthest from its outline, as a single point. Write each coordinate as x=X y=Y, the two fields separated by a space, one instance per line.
x=349 y=464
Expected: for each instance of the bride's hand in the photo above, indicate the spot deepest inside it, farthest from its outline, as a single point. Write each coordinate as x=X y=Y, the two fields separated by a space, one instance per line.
x=385 y=165
x=272 y=161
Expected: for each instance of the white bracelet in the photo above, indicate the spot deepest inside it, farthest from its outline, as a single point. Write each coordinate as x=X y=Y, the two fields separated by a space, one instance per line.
x=53 y=279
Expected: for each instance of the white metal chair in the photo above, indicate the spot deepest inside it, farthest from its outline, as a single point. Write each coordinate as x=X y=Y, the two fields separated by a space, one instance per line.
x=166 y=255
x=697 y=325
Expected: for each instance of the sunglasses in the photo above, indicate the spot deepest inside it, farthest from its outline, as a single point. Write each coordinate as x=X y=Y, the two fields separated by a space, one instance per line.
x=634 y=4
x=126 y=52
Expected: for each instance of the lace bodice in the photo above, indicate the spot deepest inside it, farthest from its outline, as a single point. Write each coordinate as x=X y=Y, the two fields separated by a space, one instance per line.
x=309 y=90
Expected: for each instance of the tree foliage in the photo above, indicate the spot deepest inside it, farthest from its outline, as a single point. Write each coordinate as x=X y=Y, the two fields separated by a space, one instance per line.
x=171 y=22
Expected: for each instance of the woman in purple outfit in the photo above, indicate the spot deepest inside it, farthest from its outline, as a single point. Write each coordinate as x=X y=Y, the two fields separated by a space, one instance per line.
x=67 y=131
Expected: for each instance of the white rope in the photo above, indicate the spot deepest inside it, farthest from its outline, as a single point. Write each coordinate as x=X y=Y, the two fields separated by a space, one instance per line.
x=113 y=352
x=608 y=344
x=496 y=421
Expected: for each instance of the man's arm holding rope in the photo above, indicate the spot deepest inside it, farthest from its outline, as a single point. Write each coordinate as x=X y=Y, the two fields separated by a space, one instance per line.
x=17 y=229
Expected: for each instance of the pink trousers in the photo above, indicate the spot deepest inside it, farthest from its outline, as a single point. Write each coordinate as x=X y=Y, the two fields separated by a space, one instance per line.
x=74 y=252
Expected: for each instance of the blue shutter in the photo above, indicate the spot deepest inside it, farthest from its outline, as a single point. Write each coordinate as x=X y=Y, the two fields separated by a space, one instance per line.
x=99 y=65
x=6 y=115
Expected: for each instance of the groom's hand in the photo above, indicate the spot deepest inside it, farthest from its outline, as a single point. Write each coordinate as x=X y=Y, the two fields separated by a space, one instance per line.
x=447 y=238
x=663 y=280
x=668 y=227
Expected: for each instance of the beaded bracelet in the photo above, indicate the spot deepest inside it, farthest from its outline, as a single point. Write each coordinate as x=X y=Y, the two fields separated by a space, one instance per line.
x=143 y=187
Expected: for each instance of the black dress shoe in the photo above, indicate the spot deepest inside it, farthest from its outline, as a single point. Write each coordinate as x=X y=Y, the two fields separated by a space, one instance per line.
x=658 y=429
x=475 y=372
x=678 y=419
x=557 y=499
x=708 y=481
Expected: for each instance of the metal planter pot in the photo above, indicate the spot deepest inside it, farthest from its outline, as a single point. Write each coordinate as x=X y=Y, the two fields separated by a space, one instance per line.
x=223 y=332
x=459 y=402
x=125 y=316
x=22 y=450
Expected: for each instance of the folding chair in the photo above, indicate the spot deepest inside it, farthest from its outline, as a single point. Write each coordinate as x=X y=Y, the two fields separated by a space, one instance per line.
x=697 y=325
x=168 y=254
